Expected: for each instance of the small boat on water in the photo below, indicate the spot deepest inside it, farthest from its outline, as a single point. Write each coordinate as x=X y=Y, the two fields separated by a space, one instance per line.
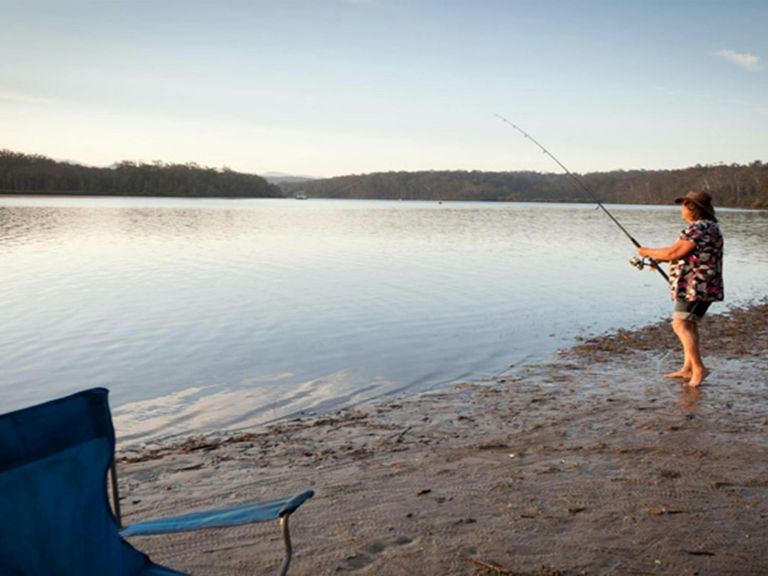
x=300 y=196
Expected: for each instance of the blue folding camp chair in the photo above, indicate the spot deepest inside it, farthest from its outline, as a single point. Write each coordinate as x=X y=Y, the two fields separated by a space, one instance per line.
x=55 y=517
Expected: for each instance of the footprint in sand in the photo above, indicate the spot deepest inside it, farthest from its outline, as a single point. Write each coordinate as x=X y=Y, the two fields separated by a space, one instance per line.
x=369 y=554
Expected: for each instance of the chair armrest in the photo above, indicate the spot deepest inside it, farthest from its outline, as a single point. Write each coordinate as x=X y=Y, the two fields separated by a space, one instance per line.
x=220 y=517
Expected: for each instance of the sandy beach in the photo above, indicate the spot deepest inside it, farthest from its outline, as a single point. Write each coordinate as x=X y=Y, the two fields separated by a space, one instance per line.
x=592 y=463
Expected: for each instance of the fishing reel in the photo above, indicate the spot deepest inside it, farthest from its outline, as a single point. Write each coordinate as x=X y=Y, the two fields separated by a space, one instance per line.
x=640 y=263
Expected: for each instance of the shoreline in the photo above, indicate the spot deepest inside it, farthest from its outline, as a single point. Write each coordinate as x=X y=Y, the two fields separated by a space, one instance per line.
x=589 y=464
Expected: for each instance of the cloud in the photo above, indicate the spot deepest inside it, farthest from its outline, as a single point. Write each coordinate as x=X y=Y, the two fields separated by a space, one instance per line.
x=743 y=59
x=22 y=98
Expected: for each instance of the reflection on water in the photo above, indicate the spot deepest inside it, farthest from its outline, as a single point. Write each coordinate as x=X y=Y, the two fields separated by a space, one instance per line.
x=258 y=401
x=200 y=314
x=688 y=400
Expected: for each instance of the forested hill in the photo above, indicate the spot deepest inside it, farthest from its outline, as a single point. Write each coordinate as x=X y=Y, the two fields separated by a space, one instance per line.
x=732 y=185
x=33 y=174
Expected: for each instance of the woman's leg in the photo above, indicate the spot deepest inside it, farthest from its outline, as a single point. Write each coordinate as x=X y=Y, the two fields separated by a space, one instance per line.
x=688 y=333
x=685 y=371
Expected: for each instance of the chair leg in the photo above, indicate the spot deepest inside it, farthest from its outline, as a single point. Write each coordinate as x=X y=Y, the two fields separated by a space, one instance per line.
x=115 y=493
x=284 y=530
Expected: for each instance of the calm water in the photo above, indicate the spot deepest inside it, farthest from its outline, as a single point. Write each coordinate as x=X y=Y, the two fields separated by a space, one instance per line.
x=210 y=314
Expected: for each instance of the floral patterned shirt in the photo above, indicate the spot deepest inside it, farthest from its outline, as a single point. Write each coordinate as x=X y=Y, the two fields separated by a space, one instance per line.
x=698 y=276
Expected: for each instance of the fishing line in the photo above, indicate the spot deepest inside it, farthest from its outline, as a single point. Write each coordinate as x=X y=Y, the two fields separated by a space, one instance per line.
x=636 y=262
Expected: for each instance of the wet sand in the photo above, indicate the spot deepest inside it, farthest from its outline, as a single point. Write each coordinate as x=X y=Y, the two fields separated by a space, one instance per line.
x=590 y=464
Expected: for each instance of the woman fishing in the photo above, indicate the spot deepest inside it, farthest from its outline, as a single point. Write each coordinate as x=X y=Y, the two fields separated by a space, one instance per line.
x=695 y=278
x=695 y=269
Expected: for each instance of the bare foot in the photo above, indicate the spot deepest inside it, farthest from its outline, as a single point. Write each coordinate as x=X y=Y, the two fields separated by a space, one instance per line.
x=697 y=377
x=682 y=373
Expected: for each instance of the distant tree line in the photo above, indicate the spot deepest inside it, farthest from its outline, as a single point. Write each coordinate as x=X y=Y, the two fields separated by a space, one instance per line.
x=34 y=174
x=733 y=185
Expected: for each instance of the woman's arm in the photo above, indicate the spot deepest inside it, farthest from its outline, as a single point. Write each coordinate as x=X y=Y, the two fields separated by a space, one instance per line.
x=669 y=253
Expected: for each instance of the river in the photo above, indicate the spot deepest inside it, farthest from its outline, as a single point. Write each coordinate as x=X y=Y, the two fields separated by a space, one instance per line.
x=203 y=314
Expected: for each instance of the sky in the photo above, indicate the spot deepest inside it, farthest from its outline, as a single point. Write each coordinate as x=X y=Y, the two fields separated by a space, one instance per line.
x=333 y=87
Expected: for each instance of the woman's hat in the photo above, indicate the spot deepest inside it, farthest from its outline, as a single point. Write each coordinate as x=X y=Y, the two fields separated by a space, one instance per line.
x=700 y=199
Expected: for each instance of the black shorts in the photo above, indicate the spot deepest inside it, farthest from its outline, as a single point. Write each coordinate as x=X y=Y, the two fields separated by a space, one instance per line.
x=693 y=311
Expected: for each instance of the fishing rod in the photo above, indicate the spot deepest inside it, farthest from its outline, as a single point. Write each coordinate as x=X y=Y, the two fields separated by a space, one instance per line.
x=638 y=263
